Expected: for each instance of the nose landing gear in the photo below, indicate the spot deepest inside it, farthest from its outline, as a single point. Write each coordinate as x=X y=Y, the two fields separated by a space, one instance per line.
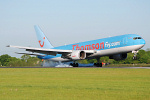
x=135 y=54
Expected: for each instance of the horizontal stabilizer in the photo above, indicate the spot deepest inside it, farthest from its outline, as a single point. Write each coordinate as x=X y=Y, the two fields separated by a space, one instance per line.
x=31 y=54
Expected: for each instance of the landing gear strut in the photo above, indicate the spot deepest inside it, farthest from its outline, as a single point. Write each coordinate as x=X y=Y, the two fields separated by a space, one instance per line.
x=135 y=54
x=98 y=64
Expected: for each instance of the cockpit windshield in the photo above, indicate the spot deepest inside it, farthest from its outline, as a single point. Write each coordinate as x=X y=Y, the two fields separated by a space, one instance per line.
x=135 y=38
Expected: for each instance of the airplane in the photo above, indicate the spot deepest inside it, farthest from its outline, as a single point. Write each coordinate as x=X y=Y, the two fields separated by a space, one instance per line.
x=115 y=47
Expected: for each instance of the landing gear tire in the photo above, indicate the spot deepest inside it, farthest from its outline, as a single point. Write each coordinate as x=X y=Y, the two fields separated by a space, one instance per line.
x=97 y=64
x=74 y=64
x=134 y=57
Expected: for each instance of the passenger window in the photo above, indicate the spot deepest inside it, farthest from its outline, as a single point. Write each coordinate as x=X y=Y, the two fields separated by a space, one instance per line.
x=139 y=38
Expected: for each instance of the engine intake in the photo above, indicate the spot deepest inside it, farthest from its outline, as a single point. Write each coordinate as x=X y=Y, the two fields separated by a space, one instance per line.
x=77 y=55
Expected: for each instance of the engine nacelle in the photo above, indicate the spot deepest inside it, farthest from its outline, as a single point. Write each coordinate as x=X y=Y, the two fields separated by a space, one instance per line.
x=118 y=56
x=77 y=55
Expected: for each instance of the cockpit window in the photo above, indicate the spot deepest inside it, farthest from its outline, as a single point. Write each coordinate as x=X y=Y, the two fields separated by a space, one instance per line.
x=135 y=38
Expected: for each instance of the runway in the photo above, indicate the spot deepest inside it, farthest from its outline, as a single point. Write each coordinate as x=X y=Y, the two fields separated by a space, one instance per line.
x=84 y=67
x=130 y=67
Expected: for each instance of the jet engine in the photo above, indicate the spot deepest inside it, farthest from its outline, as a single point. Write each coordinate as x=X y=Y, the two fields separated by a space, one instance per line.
x=118 y=56
x=78 y=55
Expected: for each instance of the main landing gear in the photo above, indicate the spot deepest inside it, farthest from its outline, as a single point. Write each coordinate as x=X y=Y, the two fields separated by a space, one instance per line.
x=135 y=54
x=98 y=64
x=74 y=64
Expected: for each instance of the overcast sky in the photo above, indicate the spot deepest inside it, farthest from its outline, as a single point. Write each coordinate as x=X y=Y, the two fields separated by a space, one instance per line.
x=71 y=21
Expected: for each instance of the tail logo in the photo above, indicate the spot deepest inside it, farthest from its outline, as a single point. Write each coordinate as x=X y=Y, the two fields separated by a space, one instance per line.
x=40 y=42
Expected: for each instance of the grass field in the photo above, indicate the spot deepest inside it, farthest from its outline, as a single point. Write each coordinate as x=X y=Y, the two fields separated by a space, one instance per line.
x=74 y=84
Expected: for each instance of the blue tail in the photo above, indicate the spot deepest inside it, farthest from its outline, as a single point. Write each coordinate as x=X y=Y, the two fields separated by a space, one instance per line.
x=42 y=40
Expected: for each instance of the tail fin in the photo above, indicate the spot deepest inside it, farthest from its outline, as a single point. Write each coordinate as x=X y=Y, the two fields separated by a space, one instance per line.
x=43 y=41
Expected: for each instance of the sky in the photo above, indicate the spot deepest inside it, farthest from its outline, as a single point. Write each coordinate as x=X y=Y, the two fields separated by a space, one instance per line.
x=70 y=21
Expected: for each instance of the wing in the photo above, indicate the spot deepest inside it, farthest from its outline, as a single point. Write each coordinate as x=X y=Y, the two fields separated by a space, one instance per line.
x=53 y=52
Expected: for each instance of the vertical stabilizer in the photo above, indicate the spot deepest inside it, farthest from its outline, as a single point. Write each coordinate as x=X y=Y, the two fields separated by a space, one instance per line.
x=42 y=40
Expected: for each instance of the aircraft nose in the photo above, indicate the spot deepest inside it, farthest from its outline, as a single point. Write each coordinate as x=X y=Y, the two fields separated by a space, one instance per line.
x=143 y=42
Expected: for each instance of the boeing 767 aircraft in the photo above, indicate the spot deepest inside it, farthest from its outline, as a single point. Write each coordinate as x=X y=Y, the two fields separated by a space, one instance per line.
x=115 y=47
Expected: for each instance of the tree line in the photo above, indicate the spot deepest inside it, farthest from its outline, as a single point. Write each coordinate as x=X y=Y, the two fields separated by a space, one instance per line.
x=143 y=56
x=25 y=60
